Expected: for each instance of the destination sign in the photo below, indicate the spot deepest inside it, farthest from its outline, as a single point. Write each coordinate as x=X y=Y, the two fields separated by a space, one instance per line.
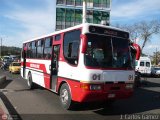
x=107 y=31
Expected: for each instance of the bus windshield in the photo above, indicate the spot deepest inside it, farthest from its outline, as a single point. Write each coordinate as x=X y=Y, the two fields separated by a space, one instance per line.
x=107 y=52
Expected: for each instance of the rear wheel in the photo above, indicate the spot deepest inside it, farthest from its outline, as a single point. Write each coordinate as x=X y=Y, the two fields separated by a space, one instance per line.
x=29 y=81
x=65 y=97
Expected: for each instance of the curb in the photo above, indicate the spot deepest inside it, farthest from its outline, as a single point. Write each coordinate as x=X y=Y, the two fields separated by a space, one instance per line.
x=2 y=79
x=4 y=114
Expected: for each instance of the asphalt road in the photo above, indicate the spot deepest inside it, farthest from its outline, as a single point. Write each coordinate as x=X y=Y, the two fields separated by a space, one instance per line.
x=40 y=104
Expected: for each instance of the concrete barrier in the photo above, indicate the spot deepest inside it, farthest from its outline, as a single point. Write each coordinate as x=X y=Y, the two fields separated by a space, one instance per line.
x=2 y=79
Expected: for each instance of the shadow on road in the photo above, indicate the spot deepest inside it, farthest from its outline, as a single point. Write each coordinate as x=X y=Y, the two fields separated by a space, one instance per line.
x=12 y=111
x=5 y=84
x=143 y=100
x=149 y=84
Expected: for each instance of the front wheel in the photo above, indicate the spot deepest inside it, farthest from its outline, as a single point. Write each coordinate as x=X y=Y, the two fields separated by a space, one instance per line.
x=65 y=97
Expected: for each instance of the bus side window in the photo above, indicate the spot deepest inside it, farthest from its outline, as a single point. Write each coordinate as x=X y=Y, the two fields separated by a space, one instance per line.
x=40 y=49
x=71 y=46
x=48 y=48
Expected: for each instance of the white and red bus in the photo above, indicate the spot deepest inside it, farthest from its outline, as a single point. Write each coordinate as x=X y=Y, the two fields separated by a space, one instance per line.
x=85 y=63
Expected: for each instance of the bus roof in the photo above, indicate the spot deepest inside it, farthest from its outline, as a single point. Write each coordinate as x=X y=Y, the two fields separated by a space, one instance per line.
x=72 y=28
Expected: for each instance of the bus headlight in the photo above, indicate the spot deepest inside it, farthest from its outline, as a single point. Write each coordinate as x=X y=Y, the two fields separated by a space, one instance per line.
x=90 y=86
x=95 y=87
x=129 y=86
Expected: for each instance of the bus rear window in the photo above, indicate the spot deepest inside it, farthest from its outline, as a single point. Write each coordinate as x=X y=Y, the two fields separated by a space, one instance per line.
x=147 y=64
x=141 y=63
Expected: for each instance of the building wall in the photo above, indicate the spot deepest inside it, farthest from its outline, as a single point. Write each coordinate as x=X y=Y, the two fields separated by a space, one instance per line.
x=69 y=12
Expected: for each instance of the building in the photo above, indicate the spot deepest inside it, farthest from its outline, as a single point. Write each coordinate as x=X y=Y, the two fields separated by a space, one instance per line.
x=69 y=12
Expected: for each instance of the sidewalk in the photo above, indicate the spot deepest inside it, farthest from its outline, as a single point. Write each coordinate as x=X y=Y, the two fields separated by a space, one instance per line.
x=3 y=110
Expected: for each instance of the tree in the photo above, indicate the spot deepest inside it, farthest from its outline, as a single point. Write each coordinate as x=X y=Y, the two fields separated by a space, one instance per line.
x=132 y=29
x=147 y=29
x=143 y=30
x=156 y=58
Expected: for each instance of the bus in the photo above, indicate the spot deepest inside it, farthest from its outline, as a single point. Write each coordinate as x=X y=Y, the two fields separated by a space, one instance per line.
x=84 y=63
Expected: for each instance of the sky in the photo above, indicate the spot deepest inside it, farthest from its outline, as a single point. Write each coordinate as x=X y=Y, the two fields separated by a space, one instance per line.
x=21 y=20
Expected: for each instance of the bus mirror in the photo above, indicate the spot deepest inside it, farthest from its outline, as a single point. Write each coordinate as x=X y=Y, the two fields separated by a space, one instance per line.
x=138 y=50
x=84 y=43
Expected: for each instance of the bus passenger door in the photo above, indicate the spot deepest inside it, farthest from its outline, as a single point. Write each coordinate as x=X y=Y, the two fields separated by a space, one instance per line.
x=54 y=66
x=24 y=62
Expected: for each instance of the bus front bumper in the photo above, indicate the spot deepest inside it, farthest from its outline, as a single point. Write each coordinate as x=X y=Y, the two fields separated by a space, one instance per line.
x=106 y=92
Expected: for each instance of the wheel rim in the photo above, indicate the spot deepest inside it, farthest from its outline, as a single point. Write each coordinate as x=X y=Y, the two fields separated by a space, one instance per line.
x=64 y=96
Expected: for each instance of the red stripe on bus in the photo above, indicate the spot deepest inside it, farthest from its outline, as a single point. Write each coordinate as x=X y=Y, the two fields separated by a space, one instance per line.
x=43 y=68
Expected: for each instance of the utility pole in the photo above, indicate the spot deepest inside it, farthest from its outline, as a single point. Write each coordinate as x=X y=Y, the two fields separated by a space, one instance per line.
x=84 y=11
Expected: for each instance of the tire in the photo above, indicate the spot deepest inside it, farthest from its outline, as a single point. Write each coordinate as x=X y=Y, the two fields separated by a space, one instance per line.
x=29 y=81
x=65 y=97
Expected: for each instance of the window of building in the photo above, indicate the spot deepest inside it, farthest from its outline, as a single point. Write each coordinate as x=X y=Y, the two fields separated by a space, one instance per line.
x=105 y=16
x=108 y=4
x=90 y=3
x=97 y=17
x=69 y=2
x=78 y=17
x=71 y=46
x=79 y=2
x=60 y=17
x=104 y=3
x=69 y=18
x=97 y=3
x=60 y=1
x=89 y=16
x=47 y=48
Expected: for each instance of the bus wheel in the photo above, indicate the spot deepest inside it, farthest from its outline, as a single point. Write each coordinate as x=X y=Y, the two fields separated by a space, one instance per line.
x=30 y=82
x=65 y=97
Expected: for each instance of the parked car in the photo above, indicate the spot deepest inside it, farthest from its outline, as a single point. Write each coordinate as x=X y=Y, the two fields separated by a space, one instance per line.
x=5 y=65
x=15 y=67
x=155 y=71
x=5 y=58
